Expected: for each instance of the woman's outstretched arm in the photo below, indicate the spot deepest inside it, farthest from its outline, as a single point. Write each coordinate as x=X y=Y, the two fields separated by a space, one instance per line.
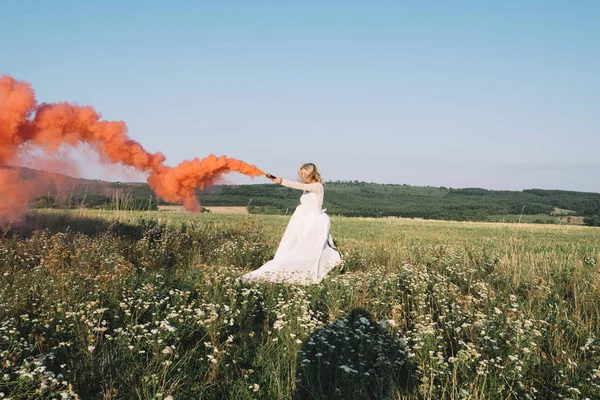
x=311 y=187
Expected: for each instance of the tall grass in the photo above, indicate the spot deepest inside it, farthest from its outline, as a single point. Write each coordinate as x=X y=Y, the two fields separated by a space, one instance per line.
x=123 y=305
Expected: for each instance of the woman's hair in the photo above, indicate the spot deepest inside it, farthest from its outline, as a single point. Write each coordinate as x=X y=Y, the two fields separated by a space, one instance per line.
x=313 y=173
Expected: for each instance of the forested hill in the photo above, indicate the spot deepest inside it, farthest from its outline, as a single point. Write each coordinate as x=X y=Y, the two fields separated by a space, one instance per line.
x=375 y=200
x=341 y=198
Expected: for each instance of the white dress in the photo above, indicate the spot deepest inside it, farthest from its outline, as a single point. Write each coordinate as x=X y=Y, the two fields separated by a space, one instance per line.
x=305 y=254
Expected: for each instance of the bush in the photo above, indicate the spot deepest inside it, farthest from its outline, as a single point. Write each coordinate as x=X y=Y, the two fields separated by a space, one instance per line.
x=594 y=220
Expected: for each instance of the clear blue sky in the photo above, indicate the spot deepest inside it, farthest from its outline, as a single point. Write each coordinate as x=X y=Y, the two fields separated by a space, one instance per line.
x=499 y=95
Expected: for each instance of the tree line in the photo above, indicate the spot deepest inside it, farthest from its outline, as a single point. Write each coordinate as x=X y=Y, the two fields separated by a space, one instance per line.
x=346 y=198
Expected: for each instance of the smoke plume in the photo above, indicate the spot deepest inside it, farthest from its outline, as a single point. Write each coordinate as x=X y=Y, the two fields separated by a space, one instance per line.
x=24 y=122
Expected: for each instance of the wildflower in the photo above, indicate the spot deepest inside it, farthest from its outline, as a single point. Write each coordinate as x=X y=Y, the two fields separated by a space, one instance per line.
x=348 y=369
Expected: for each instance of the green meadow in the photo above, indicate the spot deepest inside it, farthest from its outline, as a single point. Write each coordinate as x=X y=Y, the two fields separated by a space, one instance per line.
x=149 y=305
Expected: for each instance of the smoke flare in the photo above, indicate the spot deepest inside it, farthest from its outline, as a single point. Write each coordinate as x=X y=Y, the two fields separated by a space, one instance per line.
x=25 y=122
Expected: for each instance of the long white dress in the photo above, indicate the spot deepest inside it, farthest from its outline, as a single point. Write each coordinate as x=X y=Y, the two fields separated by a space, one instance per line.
x=305 y=254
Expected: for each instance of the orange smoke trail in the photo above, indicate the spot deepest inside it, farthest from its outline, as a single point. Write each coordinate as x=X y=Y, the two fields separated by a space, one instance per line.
x=14 y=194
x=23 y=121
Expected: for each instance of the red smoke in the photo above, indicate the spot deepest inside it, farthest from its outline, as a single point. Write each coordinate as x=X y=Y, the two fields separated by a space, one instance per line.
x=48 y=126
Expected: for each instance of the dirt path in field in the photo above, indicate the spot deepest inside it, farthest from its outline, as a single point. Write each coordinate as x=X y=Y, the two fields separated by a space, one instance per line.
x=213 y=209
x=227 y=210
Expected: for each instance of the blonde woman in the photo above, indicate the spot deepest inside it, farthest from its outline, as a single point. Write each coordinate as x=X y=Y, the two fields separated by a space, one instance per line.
x=306 y=252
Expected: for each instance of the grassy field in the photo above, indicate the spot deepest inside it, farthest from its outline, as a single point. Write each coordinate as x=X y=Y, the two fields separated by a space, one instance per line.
x=212 y=209
x=124 y=305
x=558 y=219
x=525 y=218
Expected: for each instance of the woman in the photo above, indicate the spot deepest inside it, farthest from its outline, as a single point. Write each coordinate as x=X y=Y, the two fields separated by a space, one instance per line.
x=306 y=252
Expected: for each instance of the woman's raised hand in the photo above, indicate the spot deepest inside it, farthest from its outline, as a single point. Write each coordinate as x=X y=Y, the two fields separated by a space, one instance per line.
x=274 y=178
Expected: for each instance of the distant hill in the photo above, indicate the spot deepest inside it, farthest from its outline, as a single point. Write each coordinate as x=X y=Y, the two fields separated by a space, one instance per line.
x=64 y=191
x=347 y=198
x=380 y=200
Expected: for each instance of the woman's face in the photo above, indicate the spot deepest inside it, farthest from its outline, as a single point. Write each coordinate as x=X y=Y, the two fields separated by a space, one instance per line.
x=304 y=174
